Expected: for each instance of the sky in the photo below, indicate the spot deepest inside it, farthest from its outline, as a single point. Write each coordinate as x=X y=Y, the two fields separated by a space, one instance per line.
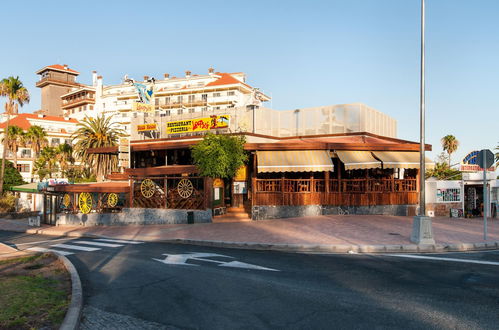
x=301 y=53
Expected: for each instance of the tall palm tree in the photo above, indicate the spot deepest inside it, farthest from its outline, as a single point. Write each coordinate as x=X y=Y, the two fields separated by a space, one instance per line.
x=95 y=133
x=449 y=144
x=64 y=156
x=36 y=139
x=17 y=95
x=15 y=139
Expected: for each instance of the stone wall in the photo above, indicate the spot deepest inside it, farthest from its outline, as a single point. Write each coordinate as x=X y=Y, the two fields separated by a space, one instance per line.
x=277 y=212
x=133 y=216
x=443 y=209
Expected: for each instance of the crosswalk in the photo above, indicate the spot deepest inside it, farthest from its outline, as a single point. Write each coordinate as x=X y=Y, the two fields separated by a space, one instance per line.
x=75 y=246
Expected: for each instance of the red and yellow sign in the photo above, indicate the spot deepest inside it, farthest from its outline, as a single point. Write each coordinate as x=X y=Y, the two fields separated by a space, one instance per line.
x=147 y=127
x=142 y=107
x=197 y=125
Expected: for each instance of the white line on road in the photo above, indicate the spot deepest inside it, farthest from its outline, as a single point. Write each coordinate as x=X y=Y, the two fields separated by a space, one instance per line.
x=75 y=247
x=470 y=261
x=98 y=243
x=49 y=240
x=118 y=241
x=40 y=249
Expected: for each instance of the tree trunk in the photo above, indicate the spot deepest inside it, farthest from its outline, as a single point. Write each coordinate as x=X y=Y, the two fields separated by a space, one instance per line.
x=4 y=153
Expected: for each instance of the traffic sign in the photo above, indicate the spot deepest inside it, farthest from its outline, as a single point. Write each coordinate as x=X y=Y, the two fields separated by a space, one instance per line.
x=487 y=156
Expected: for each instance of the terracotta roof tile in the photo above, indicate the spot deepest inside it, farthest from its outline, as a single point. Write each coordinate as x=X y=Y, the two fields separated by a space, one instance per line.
x=22 y=120
x=59 y=67
x=226 y=79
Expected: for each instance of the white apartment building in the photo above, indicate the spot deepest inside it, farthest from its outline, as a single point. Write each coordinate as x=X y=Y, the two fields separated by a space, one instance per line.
x=58 y=129
x=173 y=96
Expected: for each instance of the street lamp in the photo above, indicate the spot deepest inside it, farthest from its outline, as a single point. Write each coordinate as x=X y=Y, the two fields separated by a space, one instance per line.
x=422 y=232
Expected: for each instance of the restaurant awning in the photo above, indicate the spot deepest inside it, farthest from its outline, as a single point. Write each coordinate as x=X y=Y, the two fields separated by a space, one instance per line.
x=355 y=160
x=29 y=188
x=401 y=159
x=294 y=161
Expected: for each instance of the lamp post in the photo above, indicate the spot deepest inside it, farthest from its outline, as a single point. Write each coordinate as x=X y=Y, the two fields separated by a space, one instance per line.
x=422 y=232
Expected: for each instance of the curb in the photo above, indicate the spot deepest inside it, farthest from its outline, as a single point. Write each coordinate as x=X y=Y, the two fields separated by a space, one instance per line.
x=72 y=318
x=305 y=248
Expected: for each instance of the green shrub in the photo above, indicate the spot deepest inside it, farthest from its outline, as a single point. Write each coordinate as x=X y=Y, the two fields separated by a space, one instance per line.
x=7 y=202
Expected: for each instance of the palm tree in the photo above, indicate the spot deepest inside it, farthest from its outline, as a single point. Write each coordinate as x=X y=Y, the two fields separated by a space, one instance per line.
x=449 y=144
x=15 y=139
x=17 y=95
x=497 y=156
x=64 y=155
x=46 y=163
x=36 y=138
x=96 y=133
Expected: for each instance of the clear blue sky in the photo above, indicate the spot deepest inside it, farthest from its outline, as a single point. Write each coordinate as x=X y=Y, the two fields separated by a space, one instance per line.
x=302 y=53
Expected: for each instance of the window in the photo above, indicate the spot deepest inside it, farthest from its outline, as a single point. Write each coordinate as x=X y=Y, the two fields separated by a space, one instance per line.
x=165 y=114
x=26 y=153
x=179 y=111
x=179 y=99
x=103 y=105
x=204 y=97
x=191 y=110
x=167 y=100
x=68 y=141
x=91 y=107
x=448 y=195
x=55 y=142
x=23 y=168
x=216 y=108
x=204 y=108
x=192 y=98
x=231 y=93
x=156 y=101
x=216 y=94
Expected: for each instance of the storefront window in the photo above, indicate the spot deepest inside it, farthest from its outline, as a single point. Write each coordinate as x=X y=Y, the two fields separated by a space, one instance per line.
x=448 y=195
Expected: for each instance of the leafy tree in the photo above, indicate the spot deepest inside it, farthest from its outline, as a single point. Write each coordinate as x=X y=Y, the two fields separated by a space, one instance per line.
x=17 y=95
x=46 y=164
x=442 y=171
x=36 y=139
x=12 y=176
x=219 y=156
x=64 y=156
x=96 y=133
x=449 y=144
x=15 y=139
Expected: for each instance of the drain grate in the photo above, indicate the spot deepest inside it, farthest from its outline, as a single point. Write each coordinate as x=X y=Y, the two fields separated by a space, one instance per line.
x=395 y=234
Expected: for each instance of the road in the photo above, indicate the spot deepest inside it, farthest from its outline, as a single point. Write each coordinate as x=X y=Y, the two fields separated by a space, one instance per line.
x=192 y=287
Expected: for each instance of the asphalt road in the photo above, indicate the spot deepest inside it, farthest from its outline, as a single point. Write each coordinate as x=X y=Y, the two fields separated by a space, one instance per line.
x=294 y=291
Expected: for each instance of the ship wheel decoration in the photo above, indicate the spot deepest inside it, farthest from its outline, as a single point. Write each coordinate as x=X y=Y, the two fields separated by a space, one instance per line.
x=66 y=200
x=112 y=200
x=185 y=188
x=85 y=202
x=147 y=188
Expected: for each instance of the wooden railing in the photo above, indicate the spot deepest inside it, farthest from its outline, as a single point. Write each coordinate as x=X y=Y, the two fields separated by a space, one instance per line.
x=334 y=192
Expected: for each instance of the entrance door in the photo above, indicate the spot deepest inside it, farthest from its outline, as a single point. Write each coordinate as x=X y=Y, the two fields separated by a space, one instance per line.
x=473 y=200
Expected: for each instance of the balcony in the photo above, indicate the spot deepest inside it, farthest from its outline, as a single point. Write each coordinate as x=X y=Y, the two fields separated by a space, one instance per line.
x=78 y=101
x=48 y=79
x=187 y=104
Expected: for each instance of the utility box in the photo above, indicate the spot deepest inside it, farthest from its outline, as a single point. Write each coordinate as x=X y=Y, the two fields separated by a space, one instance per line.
x=190 y=217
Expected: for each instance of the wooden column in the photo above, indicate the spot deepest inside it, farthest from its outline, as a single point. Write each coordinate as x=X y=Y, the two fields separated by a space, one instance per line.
x=253 y=190
x=208 y=188
x=131 y=194
x=325 y=197
x=282 y=189
x=165 y=190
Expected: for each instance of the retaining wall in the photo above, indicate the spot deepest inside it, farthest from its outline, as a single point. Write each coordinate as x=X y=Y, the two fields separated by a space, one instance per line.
x=133 y=216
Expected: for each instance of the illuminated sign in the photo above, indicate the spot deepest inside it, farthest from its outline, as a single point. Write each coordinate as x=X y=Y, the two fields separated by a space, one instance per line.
x=142 y=107
x=147 y=127
x=197 y=125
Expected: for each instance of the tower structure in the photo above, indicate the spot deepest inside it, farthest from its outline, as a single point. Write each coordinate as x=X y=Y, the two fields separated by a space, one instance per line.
x=55 y=81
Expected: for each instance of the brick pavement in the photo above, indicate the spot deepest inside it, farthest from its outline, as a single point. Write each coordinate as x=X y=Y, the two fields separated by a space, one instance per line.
x=334 y=230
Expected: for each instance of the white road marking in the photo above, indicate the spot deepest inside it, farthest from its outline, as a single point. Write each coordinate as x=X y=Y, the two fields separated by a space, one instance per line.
x=238 y=264
x=40 y=249
x=49 y=240
x=98 y=243
x=118 y=241
x=181 y=259
x=470 y=261
x=75 y=247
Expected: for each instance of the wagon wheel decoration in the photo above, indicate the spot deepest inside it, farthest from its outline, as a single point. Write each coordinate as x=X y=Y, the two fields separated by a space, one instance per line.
x=66 y=201
x=85 y=202
x=112 y=200
x=185 y=188
x=147 y=188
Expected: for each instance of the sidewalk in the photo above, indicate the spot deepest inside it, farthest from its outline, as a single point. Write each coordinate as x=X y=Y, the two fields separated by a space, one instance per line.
x=311 y=234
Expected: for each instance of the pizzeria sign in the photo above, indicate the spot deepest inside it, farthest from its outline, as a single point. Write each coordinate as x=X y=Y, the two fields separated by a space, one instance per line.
x=197 y=125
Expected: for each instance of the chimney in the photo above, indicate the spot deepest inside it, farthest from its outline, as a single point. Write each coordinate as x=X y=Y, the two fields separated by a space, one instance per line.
x=65 y=66
x=94 y=78
x=167 y=76
x=210 y=71
x=187 y=74
x=146 y=78
x=40 y=115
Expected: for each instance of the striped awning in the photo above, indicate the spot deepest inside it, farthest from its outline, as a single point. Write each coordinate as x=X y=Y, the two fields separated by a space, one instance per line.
x=294 y=161
x=355 y=160
x=402 y=159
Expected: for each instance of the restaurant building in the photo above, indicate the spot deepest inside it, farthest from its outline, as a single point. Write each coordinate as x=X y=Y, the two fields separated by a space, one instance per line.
x=342 y=159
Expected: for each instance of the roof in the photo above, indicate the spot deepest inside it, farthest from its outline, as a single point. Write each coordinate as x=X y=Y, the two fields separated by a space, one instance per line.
x=22 y=120
x=109 y=187
x=30 y=187
x=226 y=79
x=59 y=68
